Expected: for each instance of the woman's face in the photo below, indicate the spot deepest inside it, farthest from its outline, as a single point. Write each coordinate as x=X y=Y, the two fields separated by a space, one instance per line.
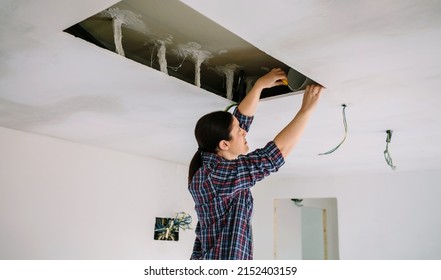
x=238 y=144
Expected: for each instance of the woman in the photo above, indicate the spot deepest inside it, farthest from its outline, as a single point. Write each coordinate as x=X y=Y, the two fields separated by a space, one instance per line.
x=222 y=171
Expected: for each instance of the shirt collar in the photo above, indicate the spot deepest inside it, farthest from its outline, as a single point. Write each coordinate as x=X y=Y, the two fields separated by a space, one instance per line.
x=209 y=158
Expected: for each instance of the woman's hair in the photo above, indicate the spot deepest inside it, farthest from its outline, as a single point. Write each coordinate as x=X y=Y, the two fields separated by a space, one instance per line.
x=209 y=131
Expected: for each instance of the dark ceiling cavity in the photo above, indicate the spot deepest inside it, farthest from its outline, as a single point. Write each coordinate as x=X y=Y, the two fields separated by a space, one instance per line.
x=173 y=38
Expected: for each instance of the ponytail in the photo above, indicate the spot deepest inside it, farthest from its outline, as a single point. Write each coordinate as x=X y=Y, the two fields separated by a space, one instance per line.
x=209 y=131
x=195 y=164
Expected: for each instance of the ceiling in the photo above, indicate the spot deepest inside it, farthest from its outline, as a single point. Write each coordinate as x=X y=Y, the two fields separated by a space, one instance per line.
x=379 y=58
x=189 y=38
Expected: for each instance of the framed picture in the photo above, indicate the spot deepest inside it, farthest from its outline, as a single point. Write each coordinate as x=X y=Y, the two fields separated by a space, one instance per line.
x=165 y=229
x=168 y=228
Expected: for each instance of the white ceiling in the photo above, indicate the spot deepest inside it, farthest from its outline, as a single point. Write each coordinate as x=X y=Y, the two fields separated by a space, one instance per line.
x=381 y=58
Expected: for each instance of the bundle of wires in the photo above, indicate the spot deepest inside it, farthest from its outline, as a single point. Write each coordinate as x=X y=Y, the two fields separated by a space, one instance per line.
x=387 y=156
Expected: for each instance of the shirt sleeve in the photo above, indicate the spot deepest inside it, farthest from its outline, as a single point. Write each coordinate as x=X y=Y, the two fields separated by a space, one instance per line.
x=260 y=163
x=244 y=121
x=247 y=170
x=197 y=247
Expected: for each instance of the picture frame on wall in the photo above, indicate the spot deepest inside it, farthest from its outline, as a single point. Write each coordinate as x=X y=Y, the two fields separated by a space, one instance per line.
x=165 y=229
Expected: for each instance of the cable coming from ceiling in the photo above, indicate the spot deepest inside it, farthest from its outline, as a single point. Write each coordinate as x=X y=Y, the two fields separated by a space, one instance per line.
x=387 y=156
x=230 y=106
x=297 y=201
x=346 y=133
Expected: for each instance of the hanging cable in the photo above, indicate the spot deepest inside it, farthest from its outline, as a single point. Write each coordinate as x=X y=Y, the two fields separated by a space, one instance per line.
x=297 y=201
x=346 y=133
x=387 y=156
x=176 y=68
x=182 y=220
x=230 y=106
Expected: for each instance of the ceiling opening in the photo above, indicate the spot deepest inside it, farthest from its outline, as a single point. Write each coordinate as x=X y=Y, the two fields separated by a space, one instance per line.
x=173 y=38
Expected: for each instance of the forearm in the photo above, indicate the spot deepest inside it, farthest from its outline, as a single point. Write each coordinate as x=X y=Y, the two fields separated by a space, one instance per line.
x=288 y=138
x=249 y=104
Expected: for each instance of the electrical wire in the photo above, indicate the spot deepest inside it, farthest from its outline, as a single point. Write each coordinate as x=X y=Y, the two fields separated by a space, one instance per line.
x=297 y=201
x=183 y=220
x=168 y=228
x=230 y=106
x=387 y=156
x=346 y=133
x=176 y=68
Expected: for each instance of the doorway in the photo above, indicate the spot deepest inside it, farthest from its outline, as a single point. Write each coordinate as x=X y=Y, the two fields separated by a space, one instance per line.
x=306 y=229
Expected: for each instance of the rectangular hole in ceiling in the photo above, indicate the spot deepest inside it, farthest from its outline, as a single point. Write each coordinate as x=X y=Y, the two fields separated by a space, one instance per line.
x=173 y=38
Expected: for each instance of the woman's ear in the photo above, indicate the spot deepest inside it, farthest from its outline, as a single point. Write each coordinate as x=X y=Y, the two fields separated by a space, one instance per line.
x=224 y=145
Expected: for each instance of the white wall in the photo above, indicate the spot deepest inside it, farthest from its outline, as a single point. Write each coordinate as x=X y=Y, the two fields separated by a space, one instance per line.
x=389 y=216
x=61 y=200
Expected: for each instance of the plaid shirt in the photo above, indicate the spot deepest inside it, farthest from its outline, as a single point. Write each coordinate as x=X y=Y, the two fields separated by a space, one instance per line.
x=223 y=200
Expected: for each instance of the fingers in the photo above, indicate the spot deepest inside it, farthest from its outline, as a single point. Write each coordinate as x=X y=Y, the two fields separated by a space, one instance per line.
x=280 y=74
x=311 y=97
x=279 y=77
x=273 y=78
x=314 y=89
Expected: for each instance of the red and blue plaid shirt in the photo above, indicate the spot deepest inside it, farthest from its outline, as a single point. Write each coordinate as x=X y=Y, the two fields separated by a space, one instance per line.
x=223 y=200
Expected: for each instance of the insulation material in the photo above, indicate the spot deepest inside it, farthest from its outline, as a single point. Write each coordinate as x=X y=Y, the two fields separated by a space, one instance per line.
x=228 y=70
x=193 y=51
x=123 y=18
x=164 y=27
x=162 y=55
x=117 y=23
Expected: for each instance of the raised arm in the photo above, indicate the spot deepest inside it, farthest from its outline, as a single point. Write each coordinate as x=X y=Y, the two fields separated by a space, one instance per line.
x=273 y=78
x=288 y=138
